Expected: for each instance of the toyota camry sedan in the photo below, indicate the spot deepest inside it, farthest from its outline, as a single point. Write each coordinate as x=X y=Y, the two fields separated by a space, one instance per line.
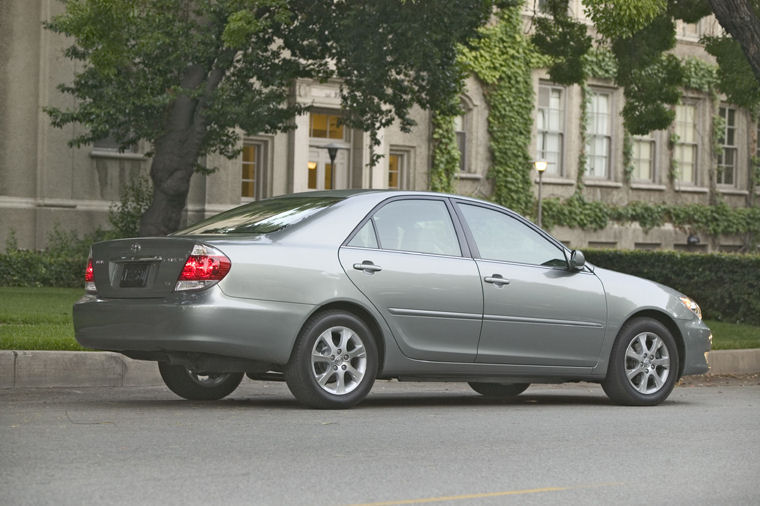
x=330 y=290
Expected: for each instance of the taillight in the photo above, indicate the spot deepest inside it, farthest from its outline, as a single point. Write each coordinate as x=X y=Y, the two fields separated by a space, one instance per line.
x=89 y=277
x=205 y=266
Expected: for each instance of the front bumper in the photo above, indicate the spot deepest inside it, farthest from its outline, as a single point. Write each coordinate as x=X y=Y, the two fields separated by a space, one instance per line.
x=201 y=322
x=698 y=341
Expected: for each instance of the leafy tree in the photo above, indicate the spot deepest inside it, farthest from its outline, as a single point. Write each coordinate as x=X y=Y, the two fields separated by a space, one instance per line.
x=183 y=75
x=640 y=34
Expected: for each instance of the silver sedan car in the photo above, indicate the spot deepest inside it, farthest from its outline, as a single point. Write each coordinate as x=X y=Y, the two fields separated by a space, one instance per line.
x=330 y=290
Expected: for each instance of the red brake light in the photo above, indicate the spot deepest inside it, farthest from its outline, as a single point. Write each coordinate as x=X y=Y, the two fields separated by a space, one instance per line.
x=204 y=267
x=89 y=277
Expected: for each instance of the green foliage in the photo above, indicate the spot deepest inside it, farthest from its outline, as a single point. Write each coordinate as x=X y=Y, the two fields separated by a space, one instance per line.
x=445 y=154
x=699 y=75
x=734 y=280
x=61 y=264
x=600 y=62
x=622 y=19
x=566 y=41
x=125 y=215
x=502 y=59
x=714 y=220
x=627 y=156
x=734 y=73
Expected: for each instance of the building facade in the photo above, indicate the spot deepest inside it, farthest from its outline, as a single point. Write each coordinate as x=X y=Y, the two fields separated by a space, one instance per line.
x=45 y=184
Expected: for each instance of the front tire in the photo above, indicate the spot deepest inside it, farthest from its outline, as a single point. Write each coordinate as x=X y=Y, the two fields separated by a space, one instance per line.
x=498 y=390
x=334 y=362
x=197 y=386
x=643 y=365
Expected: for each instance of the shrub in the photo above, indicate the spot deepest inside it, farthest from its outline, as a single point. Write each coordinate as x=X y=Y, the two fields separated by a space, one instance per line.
x=726 y=286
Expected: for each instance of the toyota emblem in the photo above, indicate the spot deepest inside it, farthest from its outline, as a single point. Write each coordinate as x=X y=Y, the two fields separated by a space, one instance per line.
x=135 y=248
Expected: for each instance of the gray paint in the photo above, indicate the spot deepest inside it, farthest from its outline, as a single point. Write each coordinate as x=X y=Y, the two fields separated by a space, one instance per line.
x=547 y=325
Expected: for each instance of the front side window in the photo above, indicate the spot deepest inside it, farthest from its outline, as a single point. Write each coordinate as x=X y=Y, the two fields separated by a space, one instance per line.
x=550 y=125
x=685 y=150
x=727 y=156
x=599 y=135
x=420 y=226
x=501 y=237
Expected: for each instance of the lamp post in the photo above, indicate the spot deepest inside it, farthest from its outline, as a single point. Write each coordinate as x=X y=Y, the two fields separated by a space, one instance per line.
x=540 y=166
x=332 y=152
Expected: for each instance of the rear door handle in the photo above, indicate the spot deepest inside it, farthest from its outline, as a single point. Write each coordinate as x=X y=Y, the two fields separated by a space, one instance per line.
x=368 y=267
x=496 y=279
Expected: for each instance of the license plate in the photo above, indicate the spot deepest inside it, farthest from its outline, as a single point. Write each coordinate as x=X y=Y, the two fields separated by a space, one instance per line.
x=134 y=275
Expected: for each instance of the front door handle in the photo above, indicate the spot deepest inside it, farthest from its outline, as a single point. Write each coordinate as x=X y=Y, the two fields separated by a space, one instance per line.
x=496 y=279
x=368 y=267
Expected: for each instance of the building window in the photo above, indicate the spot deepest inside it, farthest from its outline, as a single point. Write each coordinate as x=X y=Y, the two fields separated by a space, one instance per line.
x=691 y=31
x=642 y=158
x=727 y=155
x=396 y=170
x=111 y=145
x=326 y=126
x=251 y=166
x=550 y=123
x=685 y=150
x=599 y=135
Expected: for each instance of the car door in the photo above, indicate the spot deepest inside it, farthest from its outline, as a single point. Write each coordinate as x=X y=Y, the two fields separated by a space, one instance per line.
x=536 y=311
x=407 y=259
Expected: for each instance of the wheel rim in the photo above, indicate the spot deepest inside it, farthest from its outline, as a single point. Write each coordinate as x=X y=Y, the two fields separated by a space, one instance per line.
x=205 y=379
x=647 y=363
x=338 y=360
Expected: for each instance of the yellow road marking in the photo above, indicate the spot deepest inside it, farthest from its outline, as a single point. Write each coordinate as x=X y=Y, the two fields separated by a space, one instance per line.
x=483 y=495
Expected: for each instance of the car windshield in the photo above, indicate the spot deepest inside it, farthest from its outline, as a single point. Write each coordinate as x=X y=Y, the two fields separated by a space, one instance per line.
x=261 y=217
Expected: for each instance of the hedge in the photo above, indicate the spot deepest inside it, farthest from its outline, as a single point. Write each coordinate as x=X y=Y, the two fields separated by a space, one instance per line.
x=726 y=286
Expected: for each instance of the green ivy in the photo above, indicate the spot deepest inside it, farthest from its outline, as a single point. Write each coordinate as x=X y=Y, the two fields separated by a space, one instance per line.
x=627 y=155
x=503 y=59
x=716 y=220
x=445 y=154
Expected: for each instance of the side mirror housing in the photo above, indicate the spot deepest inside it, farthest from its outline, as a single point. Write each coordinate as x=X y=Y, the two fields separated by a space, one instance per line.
x=577 y=260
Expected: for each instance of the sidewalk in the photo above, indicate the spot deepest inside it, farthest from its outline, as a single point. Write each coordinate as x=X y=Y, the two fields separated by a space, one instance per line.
x=106 y=369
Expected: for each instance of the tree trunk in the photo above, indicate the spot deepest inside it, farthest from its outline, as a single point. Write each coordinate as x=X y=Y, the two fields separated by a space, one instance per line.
x=177 y=152
x=739 y=19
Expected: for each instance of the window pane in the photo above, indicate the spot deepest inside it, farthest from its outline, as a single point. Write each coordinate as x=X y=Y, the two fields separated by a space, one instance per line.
x=422 y=226
x=312 y=184
x=501 y=237
x=318 y=126
x=365 y=238
x=393 y=171
x=328 y=176
x=248 y=172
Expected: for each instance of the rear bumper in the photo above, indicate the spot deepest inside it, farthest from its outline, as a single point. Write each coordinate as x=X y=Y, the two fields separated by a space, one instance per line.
x=202 y=322
x=698 y=339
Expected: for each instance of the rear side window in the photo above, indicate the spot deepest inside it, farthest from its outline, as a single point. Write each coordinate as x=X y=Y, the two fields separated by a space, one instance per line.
x=421 y=226
x=262 y=216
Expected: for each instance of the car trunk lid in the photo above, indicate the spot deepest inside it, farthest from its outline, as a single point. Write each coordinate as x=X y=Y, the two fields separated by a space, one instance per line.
x=139 y=268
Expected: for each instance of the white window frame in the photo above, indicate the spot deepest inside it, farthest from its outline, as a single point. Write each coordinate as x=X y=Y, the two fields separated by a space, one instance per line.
x=555 y=169
x=597 y=132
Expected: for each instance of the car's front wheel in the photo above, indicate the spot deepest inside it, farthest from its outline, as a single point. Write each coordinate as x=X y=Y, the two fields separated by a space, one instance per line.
x=198 y=386
x=334 y=362
x=643 y=365
x=498 y=390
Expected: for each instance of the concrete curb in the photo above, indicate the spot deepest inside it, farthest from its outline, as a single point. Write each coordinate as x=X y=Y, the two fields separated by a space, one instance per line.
x=21 y=369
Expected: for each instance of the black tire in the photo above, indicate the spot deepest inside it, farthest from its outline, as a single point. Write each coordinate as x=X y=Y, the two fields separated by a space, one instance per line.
x=499 y=390
x=334 y=361
x=636 y=378
x=198 y=386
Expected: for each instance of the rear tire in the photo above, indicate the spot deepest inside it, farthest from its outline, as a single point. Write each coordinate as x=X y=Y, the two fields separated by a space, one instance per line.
x=499 y=390
x=334 y=361
x=643 y=365
x=196 y=386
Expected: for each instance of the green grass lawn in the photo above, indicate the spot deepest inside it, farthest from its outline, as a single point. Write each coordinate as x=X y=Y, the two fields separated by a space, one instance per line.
x=40 y=319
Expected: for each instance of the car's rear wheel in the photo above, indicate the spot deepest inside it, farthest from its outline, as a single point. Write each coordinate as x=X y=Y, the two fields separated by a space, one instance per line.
x=334 y=362
x=643 y=365
x=198 y=386
x=499 y=390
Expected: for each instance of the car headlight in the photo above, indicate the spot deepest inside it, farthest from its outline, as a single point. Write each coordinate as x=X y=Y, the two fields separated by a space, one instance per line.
x=691 y=305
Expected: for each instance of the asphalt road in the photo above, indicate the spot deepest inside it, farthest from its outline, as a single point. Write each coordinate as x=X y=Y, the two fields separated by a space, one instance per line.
x=406 y=444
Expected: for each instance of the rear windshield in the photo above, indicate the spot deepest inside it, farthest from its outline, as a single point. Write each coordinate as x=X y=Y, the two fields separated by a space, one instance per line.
x=261 y=217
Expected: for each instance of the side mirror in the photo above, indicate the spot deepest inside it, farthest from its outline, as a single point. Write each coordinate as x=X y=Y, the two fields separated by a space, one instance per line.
x=577 y=260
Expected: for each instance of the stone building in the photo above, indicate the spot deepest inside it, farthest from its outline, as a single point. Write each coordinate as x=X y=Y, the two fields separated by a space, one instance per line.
x=44 y=183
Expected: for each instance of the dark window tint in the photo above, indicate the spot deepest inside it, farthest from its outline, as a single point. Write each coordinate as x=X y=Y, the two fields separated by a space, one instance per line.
x=261 y=217
x=422 y=226
x=499 y=236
